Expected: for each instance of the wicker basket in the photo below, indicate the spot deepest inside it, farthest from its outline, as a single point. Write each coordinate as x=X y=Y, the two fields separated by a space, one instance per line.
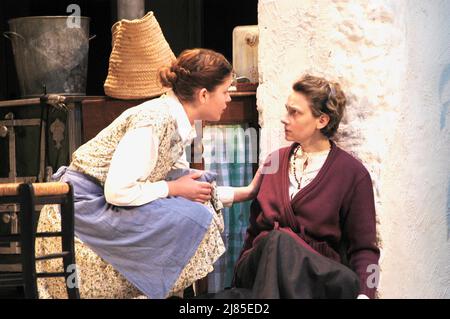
x=139 y=49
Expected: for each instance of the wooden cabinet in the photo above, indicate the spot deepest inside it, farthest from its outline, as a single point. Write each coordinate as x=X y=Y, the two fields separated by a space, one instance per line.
x=99 y=112
x=35 y=139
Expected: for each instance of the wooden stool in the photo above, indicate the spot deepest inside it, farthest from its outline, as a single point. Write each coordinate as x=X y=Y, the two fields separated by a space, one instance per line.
x=28 y=196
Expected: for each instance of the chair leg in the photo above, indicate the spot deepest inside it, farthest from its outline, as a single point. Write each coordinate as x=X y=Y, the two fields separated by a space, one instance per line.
x=27 y=220
x=68 y=244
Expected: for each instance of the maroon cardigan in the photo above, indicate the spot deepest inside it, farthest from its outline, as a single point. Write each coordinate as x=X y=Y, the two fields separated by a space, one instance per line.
x=335 y=210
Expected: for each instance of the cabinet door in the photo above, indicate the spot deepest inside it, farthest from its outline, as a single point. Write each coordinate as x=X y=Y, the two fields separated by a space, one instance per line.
x=99 y=113
x=21 y=144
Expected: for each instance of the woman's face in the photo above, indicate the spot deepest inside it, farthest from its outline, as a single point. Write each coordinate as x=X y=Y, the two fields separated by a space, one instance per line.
x=215 y=102
x=300 y=125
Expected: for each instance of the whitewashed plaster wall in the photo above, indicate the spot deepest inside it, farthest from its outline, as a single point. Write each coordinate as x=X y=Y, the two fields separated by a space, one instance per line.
x=392 y=58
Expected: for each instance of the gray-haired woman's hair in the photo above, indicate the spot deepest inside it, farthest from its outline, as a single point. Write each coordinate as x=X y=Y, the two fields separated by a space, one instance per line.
x=325 y=98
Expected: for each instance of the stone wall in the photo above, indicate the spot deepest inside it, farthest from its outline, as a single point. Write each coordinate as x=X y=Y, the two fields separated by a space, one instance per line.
x=392 y=58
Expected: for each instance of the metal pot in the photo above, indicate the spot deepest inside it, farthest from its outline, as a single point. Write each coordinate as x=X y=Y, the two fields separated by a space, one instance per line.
x=50 y=52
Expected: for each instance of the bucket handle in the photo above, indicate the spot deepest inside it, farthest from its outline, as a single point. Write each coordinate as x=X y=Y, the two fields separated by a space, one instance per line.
x=8 y=34
x=92 y=37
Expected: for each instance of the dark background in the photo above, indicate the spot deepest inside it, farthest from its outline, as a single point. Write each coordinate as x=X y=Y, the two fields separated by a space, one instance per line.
x=185 y=24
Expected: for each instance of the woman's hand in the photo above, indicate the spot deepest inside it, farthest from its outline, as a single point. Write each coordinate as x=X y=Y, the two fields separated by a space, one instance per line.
x=249 y=192
x=189 y=188
x=256 y=183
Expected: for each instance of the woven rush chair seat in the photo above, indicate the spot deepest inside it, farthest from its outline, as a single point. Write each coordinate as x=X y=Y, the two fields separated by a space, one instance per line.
x=29 y=196
x=40 y=189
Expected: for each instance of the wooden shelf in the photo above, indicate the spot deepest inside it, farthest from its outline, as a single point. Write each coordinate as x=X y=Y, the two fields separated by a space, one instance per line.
x=99 y=112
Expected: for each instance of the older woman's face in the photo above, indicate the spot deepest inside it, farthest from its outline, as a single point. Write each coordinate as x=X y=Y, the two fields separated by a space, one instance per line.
x=300 y=125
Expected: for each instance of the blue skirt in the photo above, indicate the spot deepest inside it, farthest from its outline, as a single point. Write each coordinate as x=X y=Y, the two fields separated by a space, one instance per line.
x=149 y=244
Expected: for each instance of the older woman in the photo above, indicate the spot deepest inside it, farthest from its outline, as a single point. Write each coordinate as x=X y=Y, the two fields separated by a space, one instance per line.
x=312 y=231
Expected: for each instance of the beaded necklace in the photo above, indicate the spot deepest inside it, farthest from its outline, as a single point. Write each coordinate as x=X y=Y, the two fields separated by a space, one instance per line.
x=306 y=159
x=293 y=165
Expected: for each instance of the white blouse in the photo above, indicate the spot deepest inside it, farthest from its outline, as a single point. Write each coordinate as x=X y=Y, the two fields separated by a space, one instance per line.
x=307 y=166
x=135 y=157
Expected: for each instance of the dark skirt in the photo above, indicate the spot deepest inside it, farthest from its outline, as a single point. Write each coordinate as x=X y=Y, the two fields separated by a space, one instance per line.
x=278 y=267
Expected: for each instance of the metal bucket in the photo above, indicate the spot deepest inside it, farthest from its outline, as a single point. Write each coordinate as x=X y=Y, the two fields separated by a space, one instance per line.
x=51 y=55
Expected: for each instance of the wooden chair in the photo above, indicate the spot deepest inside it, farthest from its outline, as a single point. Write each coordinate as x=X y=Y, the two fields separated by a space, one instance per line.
x=29 y=196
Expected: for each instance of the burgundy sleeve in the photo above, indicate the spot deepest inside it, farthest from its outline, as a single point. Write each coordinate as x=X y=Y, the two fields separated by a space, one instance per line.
x=252 y=229
x=360 y=230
